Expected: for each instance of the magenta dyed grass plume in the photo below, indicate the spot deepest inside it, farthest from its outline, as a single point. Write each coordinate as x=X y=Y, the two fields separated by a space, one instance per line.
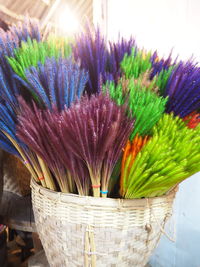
x=87 y=139
x=97 y=130
x=39 y=130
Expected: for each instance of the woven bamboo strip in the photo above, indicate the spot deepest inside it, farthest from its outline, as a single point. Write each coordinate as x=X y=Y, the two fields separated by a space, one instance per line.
x=89 y=231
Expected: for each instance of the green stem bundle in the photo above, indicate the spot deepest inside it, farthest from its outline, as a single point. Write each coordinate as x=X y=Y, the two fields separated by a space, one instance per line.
x=169 y=157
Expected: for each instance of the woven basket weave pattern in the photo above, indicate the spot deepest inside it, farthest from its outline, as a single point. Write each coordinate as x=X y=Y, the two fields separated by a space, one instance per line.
x=86 y=231
x=16 y=176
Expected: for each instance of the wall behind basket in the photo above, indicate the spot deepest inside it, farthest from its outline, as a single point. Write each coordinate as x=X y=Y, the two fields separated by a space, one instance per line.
x=185 y=251
x=156 y=24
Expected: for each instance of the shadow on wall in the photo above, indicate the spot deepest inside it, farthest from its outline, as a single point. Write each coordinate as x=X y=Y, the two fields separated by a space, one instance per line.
x=185 y=251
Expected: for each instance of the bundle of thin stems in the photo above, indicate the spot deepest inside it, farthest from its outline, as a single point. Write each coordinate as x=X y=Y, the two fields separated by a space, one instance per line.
x=32 y=52
x=171 y=155
x=136 y=63
x=9 y=41
x=183 y=89
x=61 y=83
x=93 y=131
x=162 y=78
x=11 y=143
x=28 y=28
x=99 y=141
x=117 y=50
x=39 y=130
x=130 y=152
x=145 y=82
x=145 y=106
x=140 y=62
x=64 y=44
x=101 y=60
x=90 y=48
x=36 y=166
x=160 y=64
x=192 y=120
x=56 y=83
x=10 y=89
x=77 y=143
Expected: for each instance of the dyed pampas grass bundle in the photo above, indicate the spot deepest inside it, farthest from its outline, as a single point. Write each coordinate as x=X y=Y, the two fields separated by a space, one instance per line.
x=100 y=139
x=93 y=131
x=146 y=106
x=7 y=124
x=39 y=130
x=98 y=118
x=57 y=82
x=90 y=48
x=101 y=61
x=192 y=120
x=183 y=89
x=9 y=87
x=130 y=152
x=28 y=29
x=171 y=155
x=117 y=51
x=32 y=52
x=138 y=62
x=9 y=90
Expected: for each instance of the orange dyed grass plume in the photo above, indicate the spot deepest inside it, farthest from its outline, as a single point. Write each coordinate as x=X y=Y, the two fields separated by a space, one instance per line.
x=131 y=150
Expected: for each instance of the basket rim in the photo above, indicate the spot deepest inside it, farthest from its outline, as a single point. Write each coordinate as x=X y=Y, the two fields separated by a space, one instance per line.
x=98 y=201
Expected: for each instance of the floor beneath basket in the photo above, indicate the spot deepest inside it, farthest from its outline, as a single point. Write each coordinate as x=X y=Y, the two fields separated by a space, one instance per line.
x=14 y=256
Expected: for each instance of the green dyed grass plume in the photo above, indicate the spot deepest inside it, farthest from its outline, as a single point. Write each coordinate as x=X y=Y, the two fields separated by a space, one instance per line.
x=138 y=62
x=169 y=157
x=33 y=52
x=144 y=105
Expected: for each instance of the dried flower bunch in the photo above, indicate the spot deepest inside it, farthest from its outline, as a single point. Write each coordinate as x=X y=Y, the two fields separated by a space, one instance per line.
x=97 y=118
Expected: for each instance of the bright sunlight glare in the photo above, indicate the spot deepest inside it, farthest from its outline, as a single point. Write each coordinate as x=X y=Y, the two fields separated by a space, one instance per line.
x=68 y=22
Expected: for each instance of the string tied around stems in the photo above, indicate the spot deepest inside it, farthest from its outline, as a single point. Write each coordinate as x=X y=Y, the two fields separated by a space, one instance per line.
x=104 y=192
x=96 y=186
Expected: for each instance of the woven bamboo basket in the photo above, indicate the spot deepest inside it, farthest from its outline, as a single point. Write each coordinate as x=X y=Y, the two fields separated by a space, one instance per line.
x=16 y=176
x=81 y=231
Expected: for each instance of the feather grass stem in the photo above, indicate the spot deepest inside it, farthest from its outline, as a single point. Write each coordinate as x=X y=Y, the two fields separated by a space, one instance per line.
x=47 y=175
x=25 y=159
